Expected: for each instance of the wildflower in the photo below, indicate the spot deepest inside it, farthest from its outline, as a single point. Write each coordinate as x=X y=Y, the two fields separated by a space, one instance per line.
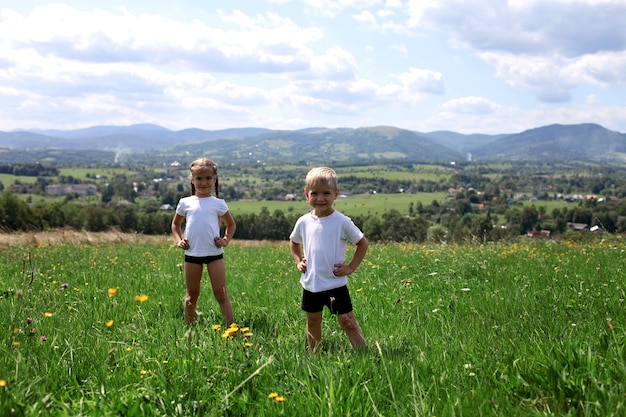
x=141 y=298
x=276 y=398
x=3 y=383
x=16 y=330
x=248 y=334
x=217 y=327
x=64 y=285
x=16 y=343
x=44 y=338
x=244 y=329
x=111 y=292
x=33 y=331
x=109 y=323
x=247 y=344
x=47 y=314
x=29 y=320
x=230 y=333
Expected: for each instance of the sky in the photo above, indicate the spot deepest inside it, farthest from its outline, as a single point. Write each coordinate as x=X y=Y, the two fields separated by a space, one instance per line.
x=488 y=66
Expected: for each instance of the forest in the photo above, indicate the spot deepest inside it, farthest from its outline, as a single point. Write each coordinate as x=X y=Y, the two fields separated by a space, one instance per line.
x=483 y=202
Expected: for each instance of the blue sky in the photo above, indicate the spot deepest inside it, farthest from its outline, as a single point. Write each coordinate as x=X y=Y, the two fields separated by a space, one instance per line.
x=491 y=66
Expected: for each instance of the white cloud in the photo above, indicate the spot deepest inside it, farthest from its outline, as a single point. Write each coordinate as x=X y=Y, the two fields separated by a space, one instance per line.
x=469 y=105
x=417 y=82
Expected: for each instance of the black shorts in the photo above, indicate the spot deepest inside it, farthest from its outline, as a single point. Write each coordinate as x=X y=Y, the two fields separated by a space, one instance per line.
x=203 y=259
x=337 y=300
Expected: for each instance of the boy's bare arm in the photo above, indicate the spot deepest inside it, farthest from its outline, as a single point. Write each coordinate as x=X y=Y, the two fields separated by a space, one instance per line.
x=359 y=254
x=296 y=253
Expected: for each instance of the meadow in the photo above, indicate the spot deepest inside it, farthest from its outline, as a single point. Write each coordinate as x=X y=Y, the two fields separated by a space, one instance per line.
x=92 y=325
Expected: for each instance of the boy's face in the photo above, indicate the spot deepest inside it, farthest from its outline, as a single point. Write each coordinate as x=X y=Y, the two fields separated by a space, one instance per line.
x=204 y=181
x=321 y=197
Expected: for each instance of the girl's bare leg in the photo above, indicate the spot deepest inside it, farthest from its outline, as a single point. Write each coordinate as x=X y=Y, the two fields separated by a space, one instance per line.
x=349 y=324
x=217 y=273
x=193 y=276
x=313 y=330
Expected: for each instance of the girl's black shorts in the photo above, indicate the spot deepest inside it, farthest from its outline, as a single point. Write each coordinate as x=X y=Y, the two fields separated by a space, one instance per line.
x=337 y=300
x=203 y=259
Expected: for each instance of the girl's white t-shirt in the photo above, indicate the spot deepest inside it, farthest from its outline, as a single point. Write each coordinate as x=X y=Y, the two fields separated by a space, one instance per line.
x=202 y=223
x=325 y=240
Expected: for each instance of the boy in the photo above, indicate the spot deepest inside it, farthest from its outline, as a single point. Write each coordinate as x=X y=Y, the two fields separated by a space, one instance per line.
x=324 y=233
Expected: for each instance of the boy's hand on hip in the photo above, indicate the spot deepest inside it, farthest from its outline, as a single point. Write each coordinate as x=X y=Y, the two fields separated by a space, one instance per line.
x=302 y=266
x=342 y=270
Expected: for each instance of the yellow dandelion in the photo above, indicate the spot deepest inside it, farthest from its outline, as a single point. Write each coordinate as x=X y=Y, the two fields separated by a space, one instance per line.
x=47 y=314
x=141 y=298
x=217 y=327
x=244 y=329
x=109 y=323
x=249 y=334
x=272 y=395
x=234 y=326
x=16 y=343
x=128 y=349
x=16 y=330
x=248 y=344
x=230 y=333
x=279 y=399
x=3 y=383
x=111 y=292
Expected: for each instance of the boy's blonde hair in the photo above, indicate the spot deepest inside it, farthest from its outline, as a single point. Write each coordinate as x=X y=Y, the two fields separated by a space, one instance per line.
x=202 y=164
x=323 y=175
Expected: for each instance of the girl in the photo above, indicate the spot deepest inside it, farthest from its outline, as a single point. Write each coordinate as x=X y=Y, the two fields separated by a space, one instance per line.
x=202 y=214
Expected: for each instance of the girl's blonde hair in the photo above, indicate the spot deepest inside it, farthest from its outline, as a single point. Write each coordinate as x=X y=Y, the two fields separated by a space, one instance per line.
x=202 y=164
x=322 y=175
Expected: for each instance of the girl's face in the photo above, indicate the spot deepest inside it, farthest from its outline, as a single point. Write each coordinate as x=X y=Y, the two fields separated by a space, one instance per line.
x=204 y=181
x=321 y=197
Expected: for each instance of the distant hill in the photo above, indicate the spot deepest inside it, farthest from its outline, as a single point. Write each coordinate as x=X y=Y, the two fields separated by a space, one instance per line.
x=585 y=143
x=110 y=138
x=463 y=143
x=324 y=145
x=582 y=142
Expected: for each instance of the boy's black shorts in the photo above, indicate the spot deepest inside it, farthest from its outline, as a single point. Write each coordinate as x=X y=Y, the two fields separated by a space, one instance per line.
x=337 y=300
x=203 y=259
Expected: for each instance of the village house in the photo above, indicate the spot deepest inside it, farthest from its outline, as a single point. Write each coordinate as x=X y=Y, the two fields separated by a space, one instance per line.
x=69 y=189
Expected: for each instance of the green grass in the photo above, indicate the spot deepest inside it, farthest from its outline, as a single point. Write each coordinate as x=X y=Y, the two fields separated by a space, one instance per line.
x=353 y=205
x=502 y=330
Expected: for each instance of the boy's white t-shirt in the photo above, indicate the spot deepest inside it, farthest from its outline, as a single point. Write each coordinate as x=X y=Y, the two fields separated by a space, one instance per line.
x=325 y=240
x=202 y=223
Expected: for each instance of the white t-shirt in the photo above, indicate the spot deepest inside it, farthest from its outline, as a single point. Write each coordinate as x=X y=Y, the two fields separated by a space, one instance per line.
x=202 y=223
x=325 y=240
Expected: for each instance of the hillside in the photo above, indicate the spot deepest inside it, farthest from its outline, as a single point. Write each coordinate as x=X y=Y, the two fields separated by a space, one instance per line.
x=585 y=143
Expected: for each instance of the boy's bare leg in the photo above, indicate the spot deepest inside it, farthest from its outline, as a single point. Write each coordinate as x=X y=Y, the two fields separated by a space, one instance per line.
x=349 y=324
x=313 y=330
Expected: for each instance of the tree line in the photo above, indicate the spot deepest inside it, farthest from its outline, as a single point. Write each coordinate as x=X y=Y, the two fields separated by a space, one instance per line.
x=484 y=206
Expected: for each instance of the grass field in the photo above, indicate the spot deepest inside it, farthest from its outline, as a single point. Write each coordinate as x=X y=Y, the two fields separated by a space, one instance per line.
x=353 y=205
x=92 y=325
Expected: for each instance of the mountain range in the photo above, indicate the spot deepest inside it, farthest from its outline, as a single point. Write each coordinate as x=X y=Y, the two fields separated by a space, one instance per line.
x=585 y=143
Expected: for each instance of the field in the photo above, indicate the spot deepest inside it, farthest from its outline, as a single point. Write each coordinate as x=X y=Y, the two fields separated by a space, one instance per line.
x=358 y=204
x=92 y=325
